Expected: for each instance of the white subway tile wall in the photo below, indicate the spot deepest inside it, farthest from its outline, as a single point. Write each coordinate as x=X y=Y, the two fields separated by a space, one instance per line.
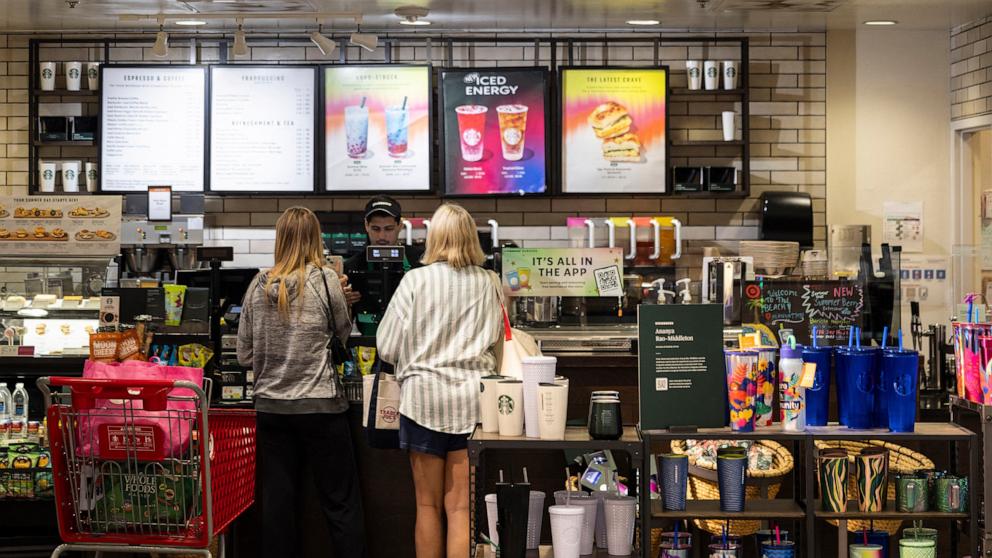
x=971 y=69
x=788 y=130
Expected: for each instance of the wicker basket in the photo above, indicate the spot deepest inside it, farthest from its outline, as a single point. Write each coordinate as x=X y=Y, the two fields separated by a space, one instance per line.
x=902 y=460
x=763 y=484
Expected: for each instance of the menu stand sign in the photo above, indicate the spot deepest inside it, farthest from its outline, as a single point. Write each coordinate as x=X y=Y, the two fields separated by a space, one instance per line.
x=681 y=371
x=66 y=226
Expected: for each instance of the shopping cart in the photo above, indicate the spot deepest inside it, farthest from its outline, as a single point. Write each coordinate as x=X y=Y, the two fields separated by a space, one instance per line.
x=145 y=465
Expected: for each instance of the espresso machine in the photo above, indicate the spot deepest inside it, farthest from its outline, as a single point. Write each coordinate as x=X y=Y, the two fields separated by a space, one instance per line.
x=160 y=248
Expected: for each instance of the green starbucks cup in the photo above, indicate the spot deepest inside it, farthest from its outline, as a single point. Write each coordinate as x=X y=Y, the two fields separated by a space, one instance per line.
x=917 y=548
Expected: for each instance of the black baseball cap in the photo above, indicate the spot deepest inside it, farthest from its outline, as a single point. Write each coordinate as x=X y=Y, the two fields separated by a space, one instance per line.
x=384 y=205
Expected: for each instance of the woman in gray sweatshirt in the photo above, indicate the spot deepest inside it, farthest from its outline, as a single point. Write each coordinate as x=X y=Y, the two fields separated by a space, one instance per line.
x=287 y=319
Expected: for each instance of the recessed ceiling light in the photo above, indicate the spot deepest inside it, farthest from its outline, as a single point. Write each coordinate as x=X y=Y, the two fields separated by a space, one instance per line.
x=412 y=15
x=190 y=22
x=643 y=22
x=414 y=22
x=881 y=22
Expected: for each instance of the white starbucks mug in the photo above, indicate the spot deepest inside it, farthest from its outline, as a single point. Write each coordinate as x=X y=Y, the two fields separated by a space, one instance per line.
x=73 y=75
x=694 y=74
x=93 y=75
x=510 y=407
x=46 y=175
x=711 y=75
x=70 y=176
x=729 y=125
x=47 y=76
x=91 y=177
x=731 y=71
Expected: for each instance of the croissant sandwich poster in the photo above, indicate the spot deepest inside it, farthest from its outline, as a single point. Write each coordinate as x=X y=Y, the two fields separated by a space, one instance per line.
x=614 y=130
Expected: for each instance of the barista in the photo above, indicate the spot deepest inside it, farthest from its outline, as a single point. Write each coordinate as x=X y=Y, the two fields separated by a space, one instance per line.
x=383 y=225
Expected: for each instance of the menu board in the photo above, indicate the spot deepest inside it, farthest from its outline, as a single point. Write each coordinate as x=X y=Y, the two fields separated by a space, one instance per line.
x=377 y=128
x=152 y=127
x=262 y=128
x=494 y=125
x=832 y=306
x=614 y=130
x=60 y=225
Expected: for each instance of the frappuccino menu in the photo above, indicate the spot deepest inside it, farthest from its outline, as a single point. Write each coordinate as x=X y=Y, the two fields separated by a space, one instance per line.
x=60 y=225
x=377 y=128
x=152 y=127
x=262 y=128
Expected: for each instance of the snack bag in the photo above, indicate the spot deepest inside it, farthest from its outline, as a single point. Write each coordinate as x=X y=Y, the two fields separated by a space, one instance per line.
x=103 y=346
x=20 y=476
x=175 y=296
x=194 y=355
x=365 y=358
x=153 y=493
x=129 y=346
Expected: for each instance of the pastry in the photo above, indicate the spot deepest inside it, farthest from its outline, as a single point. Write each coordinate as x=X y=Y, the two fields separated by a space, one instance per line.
x=105 y=235
x=609 y=120
x=14 y=303
x=58 y=233
x=39 y=232
x=622 y=148
x=4 y=233
x=40 y=329
x=65 y=329
x=85 y=235
x=21 y=233
x=43 y=300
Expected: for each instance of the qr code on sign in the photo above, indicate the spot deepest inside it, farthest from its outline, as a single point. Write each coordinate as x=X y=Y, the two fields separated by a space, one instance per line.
x=661 y=384
x=608 y=281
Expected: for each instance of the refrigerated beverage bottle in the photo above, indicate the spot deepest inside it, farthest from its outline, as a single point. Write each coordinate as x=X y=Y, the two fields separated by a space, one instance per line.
x=471 y=127
x=792 y=396
x=19 y=407
x=397 y=127
x=356 y=130
x=512 y=129
x=5 y=402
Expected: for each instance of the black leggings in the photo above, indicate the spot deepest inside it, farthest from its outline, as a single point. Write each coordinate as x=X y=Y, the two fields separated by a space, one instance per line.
x=286 y=444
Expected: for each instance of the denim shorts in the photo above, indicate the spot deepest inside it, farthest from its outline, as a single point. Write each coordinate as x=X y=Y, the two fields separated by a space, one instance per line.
x=414 y=437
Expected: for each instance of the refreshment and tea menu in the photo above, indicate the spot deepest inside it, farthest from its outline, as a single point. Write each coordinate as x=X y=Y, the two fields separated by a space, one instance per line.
x=60 y=225
x=494 y=131
x=262 y=129
x=377 y=128
x=614 y=130
x=152 y=127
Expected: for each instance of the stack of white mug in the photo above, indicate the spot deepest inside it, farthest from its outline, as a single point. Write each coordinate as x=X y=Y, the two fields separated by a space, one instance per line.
x=69 y=170
x=706 y=75
x=73 y=75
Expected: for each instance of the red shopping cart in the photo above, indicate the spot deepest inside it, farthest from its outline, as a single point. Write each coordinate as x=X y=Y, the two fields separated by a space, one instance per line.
x=145 y=465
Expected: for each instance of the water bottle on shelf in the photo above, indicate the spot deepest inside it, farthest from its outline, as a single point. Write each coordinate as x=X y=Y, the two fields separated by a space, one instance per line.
x=5 y=408
x=19 y=410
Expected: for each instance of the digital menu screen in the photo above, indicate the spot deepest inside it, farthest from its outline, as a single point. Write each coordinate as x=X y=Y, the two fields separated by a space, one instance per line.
x=152 y=127
x=262 y=128
x=494 y=124
x=614 y=130
x=377 y=128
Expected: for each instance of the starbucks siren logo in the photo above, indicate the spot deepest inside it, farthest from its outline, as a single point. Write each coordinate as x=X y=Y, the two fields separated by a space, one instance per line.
x=730 y=72
x=92 y=72
x=505 y=404
x=47 y=174
x=694 y=72
x=74 y=73
x=711 y=72
x=91 y=174
x=47 y=73
x=70 y=174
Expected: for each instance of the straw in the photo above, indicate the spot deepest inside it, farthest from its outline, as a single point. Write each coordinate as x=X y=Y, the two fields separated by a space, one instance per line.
x=404 y=102
x=900 y=339
x=850 y=337
x=363 y=102
x=568 y=488
x=792 y=342
x=885 y=336
x=815 y=345
x=677 y=545
x=501 y=476
x=857 y=337
x=489 y=541
x=726 y=544
x=778 y=536
x=865 y=535
x=525 y=476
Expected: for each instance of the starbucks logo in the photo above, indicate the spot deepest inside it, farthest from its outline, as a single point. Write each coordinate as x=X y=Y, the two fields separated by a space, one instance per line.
x=92 y=72
x=47 y=174
x=505 y=404
x=74 y=73
x=91 y=174
x=694 y=72
x=730 y=71
x=47 y=73
x=711 y=72
x=70 y=174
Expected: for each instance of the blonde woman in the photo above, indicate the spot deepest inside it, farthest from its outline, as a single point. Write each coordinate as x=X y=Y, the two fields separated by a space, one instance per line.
x=288 y=317
x=442 y=331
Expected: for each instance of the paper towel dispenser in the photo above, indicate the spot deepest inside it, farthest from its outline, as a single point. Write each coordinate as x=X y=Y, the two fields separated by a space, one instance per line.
x=787 y=216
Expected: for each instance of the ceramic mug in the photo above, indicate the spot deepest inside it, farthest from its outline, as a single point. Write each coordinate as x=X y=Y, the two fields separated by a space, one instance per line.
x=912 y=493
x=952 y=494
x=871 y=476
x=73 y=75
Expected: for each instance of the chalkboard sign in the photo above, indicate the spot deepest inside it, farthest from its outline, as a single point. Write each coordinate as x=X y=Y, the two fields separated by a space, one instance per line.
x=832 y=306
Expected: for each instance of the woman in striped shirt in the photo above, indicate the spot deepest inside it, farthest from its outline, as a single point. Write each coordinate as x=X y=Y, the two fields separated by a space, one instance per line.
x=442 y=331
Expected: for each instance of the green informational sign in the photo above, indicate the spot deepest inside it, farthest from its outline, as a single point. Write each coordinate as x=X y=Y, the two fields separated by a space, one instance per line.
x=563 y=271
x=680 y=366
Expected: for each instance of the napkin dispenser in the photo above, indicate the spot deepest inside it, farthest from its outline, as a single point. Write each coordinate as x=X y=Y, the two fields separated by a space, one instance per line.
x=53 y=128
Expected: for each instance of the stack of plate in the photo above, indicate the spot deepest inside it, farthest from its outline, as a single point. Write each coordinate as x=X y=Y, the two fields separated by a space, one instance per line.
x=771 y=257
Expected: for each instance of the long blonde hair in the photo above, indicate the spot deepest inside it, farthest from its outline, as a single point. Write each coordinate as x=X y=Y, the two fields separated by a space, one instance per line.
x=298 y=245
x=452 y=238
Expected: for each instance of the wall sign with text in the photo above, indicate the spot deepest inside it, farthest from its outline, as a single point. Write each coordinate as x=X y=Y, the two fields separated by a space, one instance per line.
x=377 y=128
x=832 y=306
x=614 y=130
x=563 y=271
x=60 y=226
x=494 y=123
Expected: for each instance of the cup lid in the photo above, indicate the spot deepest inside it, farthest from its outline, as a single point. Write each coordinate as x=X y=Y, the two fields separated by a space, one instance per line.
x=566 y=510
x=788 y=352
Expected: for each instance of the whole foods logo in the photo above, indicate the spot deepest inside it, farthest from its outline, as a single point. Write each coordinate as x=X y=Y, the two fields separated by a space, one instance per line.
x=74 y=73
x=47 y=73
x=712 y=72
x=505 y=405
x=477 y=84
x=730 y=72
x=389 y=414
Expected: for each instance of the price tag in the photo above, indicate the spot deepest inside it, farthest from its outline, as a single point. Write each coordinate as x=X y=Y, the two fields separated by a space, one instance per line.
x=749 y=341
x=808 y=375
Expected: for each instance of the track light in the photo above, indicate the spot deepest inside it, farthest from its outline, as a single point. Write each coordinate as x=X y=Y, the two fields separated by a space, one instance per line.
x=161 y=48
x=324 y=45
x=368 y=41
x=240 y=41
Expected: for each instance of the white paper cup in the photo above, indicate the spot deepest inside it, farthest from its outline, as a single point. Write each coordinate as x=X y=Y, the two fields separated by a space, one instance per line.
x=47 y=76
x=73 y=75
x=561 y=380
x=535 y=519
x=488 y=400
x=619 y=524
x=729 y=125
x=566 y=530
x=535 y=370
x=552 y=410
x=492 y=516
x=92 y=177
x=591 y=506
x=70 y=176
x=694 y=74
x=46 y=176
x=93 y=75
x=731 y=70
x=711 y=75
x=509 y=406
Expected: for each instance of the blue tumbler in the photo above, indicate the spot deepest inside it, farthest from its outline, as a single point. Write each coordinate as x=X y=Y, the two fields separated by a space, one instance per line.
x=782 y=549
x=731 y=473
x=900 y=372
x=856 y=369
x=818 y=396
x=881 y=538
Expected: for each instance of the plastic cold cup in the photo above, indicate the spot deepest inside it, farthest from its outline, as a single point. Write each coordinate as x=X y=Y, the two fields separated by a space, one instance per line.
x=512 y=129
x=917 y=548
x=899 y=376
x=566 y=530
x=818 y=396
x=782 y=549
x=397 y=130
x=535 y=519
x=471 y=128
x=356 y=130
x=717 y=550
x=742 y=369
x=767 y=385
x=620 y=512
x=492 y=517
x=792 y=396
x=865 y=551
x=856 y=372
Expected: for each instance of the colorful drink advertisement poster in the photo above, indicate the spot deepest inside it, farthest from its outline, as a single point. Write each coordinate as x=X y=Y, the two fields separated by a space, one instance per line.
x=563 y=271
x=494 y=124
x=614 y=130
x=377 y=128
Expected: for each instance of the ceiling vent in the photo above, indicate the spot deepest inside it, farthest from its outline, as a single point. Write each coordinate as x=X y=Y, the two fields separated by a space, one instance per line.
x=804 y=6
x=247 y=6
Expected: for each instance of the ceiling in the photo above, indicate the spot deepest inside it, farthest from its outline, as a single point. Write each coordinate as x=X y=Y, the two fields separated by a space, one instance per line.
x=505 y=15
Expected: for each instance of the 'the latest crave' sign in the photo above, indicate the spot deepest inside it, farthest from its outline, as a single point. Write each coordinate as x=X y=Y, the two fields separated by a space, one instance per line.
x=832 y=306
x=563 y=271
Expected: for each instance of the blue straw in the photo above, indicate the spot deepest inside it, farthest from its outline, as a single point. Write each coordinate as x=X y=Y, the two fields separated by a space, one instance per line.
x=900 y=339
x=725 y=544
x=814 y=338
x=677 y=545
x=850 y=337
x=857 y=337
x=885 y=336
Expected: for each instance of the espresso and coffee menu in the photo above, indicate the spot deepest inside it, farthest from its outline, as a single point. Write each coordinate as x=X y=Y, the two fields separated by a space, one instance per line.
x=152 y=127
x=377 y=128
x=494 y=124
x=60 y=226
x=262 y=128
